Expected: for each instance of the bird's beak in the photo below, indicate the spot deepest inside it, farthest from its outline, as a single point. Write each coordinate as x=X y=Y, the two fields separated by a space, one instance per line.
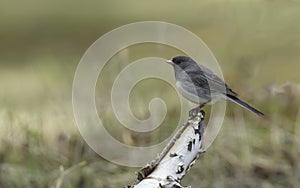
x=170 y=62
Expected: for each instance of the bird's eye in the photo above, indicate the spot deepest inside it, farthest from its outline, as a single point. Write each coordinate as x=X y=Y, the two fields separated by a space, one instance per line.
x=176 y=61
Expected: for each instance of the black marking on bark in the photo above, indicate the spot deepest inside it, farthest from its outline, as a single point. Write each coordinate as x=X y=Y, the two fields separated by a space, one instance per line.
x=179 y=169
x=190 y=145
x=196 y=130
x=176 y=186
x=173 y=154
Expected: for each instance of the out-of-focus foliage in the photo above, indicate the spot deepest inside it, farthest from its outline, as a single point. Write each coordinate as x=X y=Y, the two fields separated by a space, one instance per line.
x=257 y=44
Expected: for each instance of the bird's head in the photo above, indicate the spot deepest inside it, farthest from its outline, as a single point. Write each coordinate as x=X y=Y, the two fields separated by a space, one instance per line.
x=181 y=61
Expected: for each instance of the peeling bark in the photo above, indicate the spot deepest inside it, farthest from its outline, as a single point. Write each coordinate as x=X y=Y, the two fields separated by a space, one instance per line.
x=177 y=157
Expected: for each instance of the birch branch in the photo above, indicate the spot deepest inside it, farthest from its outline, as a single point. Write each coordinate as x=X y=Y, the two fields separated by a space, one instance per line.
x=177 y=157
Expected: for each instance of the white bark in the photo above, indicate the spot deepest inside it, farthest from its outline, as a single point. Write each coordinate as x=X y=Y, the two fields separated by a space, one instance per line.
x=182 y=153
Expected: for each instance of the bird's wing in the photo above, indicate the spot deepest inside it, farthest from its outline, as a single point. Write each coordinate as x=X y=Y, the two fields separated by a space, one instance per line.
x=194 y=88
x=208 y=80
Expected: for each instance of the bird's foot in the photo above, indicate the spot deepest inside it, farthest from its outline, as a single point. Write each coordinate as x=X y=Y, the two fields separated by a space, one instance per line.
x=195 y=111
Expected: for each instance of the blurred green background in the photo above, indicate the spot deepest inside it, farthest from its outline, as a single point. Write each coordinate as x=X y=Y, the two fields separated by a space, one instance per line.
x=257 y=44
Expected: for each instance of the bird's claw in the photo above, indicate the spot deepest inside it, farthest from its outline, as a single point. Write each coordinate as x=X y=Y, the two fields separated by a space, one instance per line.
x=195 y=111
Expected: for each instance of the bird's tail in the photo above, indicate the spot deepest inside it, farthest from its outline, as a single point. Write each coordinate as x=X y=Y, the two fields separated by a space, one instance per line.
x=244 y=104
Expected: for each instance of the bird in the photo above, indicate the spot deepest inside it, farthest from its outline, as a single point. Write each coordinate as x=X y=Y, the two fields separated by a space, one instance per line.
x=202 y=86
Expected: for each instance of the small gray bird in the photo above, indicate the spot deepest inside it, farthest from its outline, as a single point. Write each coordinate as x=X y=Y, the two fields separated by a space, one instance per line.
x=200 y=85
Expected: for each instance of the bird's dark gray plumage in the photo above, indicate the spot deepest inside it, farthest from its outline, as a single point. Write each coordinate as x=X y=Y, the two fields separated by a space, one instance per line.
x=200 y=85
